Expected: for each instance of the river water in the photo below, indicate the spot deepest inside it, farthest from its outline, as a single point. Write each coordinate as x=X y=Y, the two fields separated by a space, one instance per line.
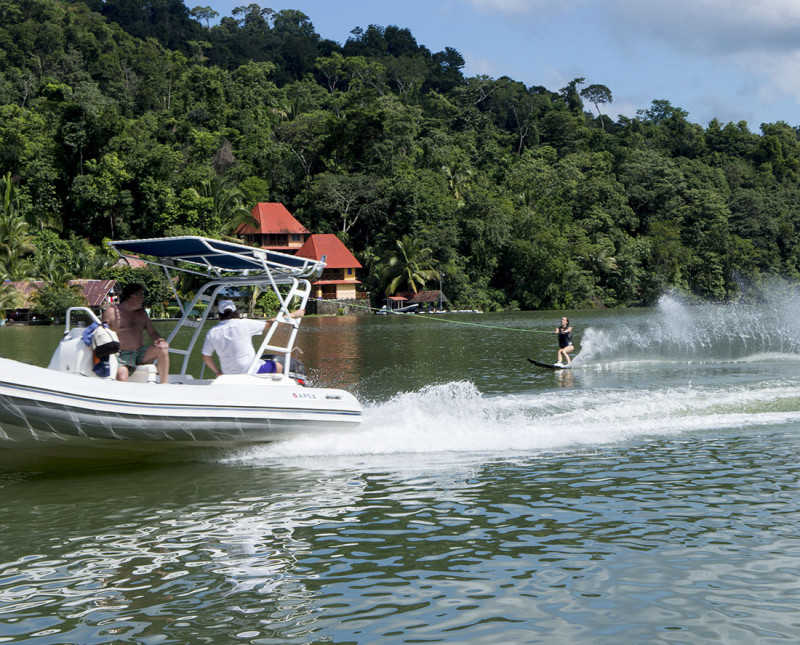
x=648 y=495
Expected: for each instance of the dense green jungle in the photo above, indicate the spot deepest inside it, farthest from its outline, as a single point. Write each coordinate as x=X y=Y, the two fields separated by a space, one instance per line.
x=124 y=118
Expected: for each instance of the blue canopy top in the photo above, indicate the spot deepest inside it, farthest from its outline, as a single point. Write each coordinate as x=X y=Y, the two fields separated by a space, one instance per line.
x=218 y=256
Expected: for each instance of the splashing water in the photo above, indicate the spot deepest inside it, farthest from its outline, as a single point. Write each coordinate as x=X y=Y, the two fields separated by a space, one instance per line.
x=679 y=368
x=455 y=418
x=681 y=331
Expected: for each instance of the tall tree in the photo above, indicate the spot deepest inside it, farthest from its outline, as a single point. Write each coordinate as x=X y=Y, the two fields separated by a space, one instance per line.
x=411 y=265
x=571 y=95
x=16 y=244
x=204 y=13
x=598 y=95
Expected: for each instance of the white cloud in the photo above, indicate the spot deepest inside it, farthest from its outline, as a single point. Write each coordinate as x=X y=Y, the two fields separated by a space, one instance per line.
x=478 y=66
x=507 y=7
x=706 y=27
x=783 y=70
x=711 y=27
x=745 y=54
x=616 y=109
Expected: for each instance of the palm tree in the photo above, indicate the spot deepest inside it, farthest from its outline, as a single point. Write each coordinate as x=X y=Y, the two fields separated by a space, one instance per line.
x=14 y=236
x=15 y=239
x=8 y=195
x=229 y=211
x=51 y=269
x=600 y=260
x=14 y=267
x=86 y=261
x=10 y=298
x=411 y=265
x=457 y=174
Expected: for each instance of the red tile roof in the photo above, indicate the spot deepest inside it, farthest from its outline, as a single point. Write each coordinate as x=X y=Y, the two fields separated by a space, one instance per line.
x=337 y=255
x=94 y=291
x=273 y=218
x=27 y=289
x=132 y=261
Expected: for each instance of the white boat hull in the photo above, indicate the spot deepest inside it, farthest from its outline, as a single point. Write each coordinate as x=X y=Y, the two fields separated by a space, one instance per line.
x=50 y=419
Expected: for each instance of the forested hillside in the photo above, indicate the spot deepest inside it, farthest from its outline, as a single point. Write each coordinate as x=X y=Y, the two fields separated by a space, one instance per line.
x=124 y=118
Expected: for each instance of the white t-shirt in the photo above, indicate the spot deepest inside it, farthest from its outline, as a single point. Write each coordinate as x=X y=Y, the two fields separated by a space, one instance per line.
x=231 y=340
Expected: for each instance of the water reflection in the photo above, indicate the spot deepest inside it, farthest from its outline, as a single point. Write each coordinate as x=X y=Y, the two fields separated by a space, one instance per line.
x=392 y=549
x=332 y=351
x=565 y=378
x=170 y=544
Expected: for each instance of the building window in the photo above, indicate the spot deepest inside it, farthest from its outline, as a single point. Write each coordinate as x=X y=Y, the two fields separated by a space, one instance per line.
x=349 y=271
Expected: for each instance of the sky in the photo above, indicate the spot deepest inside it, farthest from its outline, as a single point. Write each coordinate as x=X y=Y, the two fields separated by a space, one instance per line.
x=734 y=60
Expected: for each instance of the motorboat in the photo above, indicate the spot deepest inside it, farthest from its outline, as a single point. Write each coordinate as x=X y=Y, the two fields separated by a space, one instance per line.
x=393 y=306
x=385 y=310
x=66 y=416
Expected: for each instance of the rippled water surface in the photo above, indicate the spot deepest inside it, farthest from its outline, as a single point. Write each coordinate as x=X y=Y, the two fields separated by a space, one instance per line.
x=648 y=495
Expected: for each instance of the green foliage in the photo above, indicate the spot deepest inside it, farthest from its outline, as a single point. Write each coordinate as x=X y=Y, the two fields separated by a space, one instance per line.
x=53 y=300
x=10 y=298
x=155 y=284
x=268 y=303
x=410 y=266
x=16 y=243
x=120 y=119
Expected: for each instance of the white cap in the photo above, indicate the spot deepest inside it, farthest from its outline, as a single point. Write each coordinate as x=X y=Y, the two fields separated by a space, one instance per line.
x=226 y=305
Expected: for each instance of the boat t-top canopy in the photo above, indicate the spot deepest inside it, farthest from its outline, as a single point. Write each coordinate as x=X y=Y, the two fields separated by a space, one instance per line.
x=217 y=256
x=227 y=264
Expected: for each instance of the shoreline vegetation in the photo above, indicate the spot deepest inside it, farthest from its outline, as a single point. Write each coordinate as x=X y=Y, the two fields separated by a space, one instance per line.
x=121 y=119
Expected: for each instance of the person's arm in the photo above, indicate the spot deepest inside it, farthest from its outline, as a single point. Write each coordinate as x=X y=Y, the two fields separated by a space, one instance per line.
x=212 y=364
x=158 y=339
x=110 y=317
x=297 y=313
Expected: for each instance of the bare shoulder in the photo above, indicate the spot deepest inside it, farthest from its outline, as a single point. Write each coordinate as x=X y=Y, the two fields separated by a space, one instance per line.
x=140 y=317
x=111 y=314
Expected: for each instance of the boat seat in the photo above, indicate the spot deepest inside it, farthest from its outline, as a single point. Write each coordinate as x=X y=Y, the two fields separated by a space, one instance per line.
x=144 y=374
x=74 y=356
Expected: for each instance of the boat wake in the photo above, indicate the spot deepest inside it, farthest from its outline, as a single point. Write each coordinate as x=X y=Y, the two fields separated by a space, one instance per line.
x=678 y=369
x=456 y=418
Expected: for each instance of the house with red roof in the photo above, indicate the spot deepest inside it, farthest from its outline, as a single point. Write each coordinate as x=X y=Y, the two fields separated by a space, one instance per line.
x=131 y=261
x=277 y=229
x=339 y=279
x=96 y=292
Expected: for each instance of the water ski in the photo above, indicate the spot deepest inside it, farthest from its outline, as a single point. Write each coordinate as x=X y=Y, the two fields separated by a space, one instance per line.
x=551 y=366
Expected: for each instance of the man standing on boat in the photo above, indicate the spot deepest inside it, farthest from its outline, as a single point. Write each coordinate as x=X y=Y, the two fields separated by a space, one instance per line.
x=129 y=319
x=231 y=339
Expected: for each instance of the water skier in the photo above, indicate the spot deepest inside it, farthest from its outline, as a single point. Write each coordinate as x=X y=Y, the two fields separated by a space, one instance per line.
x=565 y=345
